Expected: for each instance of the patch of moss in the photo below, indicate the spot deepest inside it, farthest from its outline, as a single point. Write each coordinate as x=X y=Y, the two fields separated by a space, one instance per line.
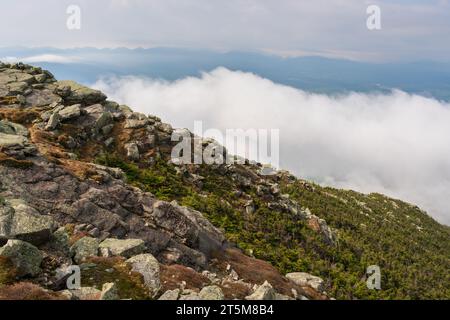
x=129 y=284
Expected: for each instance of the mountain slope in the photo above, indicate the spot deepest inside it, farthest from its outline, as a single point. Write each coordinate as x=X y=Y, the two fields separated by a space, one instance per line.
x=102 y=171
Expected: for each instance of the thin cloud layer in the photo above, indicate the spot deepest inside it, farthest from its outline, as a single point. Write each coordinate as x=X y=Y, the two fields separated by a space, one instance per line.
x=396 y=144
x=46 y=58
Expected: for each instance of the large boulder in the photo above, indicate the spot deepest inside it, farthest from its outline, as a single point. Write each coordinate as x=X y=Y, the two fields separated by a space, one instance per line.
x=125 y=248
x=25 y=257
x=190 y=225
x=148 y=267
x=306 y=279
x=84 y=248
x=70 y=112
x=20 y=221
x=78 y=93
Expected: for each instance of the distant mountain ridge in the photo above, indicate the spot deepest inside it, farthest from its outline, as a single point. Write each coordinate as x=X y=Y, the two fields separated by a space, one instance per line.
x=313 y=73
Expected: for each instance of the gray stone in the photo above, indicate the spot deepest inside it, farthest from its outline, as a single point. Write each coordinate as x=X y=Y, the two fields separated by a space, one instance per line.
x=61 y=240
x=170 y=295
x=12 y=140
x=84 y=248
x=53 y=121
x=109 y=142
x=279 y=296
x=148 y=267
x=105 y=119
x=79 y=93
x=211 y=293
x=70 y=112
x=306 y=279
x=17 y=87
x=8 y=127
x=25 y=257
x=263 y=292
x=40 y=77
x=107 y=129
x=188 y=224
x=135 y=123
x=132 y=151
x=165 y=127
x=125 y=248
x=20 y=221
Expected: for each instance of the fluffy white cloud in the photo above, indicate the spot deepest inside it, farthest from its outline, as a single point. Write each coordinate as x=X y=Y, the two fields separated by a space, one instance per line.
x=397 y=144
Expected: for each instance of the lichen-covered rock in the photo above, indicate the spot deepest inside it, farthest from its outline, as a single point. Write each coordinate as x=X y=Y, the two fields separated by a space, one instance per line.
x=132 y=151
x=190 y=225
x=135 y=123
x=20 y=221
x=25 y=257
x=148 y=267
x=70 y=112
x=84 y=248
x=263 y=292
x=12 y=140
x=125 y=248
x=9 y=127
x=306 y=279
x=61 y=240
x=170 y=295
x=78 y=93
x=53 y=121
x=211 y=293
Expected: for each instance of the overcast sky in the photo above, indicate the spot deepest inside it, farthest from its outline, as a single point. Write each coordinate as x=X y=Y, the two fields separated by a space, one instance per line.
x=410 y=29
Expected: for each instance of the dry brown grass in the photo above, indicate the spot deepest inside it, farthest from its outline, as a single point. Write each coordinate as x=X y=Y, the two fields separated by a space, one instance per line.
x=173 y=275
x=23 y=116
x=235 y=290
x=27 y=291
x=257 y=271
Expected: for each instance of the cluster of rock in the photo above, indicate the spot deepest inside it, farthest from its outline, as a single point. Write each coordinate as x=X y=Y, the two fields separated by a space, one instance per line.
x=56 y=204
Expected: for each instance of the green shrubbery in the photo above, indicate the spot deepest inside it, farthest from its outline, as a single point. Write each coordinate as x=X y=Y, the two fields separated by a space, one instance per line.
x=372 y=229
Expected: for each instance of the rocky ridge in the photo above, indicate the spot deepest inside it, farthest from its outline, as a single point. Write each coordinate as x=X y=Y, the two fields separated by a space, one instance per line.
x=59 y=207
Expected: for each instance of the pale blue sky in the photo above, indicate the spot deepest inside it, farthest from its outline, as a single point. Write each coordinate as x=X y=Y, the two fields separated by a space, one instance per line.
x=411 y=29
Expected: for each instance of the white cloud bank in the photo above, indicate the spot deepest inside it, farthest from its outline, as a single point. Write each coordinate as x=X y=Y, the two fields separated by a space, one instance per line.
x=397 y=144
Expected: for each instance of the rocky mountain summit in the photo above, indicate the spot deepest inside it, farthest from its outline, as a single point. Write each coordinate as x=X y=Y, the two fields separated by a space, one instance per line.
x=59 y=207
x=87 y=182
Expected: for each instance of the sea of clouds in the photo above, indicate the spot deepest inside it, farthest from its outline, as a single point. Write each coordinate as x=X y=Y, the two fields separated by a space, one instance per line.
x=397 y=144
